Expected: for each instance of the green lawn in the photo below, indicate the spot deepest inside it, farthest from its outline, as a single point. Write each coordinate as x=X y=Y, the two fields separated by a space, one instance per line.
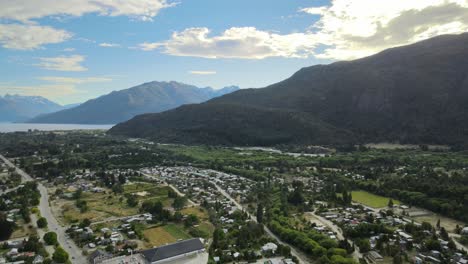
x=176 y=231
x=372 y=200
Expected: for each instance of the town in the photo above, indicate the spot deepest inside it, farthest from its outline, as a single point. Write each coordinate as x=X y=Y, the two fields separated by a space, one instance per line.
x=182 y=211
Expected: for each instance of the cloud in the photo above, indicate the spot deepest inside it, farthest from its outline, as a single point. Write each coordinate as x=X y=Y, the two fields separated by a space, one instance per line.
x=28 y=34
x=355 y=28
x=28 y=37
x=236 y=42
x=202 y=72
x=72 y=80
x=314 y=10
x=346 y=29
x=69 y=49
x=109 y=45
x=63 y=63
x=54 y=86
x=46 y=90
x=27 y=10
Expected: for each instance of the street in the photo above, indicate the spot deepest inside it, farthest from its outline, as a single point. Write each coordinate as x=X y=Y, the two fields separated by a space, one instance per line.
x=335 y=229
x=299 y=255
x=68 y=245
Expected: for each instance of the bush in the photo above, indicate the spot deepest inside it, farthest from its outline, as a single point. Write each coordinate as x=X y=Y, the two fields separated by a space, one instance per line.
x=60 y=255
x=42 y=222
x=51 y=238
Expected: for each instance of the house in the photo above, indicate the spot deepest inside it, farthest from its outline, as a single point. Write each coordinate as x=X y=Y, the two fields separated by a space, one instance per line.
x=99 y=256
x=465 y=231
x=38 y=259
x=374 y=257
x=269 y=247
x=175 y=251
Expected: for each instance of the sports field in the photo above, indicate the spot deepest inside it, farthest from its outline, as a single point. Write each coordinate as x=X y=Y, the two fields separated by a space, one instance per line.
x=371 y=200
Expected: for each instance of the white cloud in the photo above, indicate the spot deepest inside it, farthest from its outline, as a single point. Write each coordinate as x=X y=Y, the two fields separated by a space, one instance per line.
x=27 y=10
x=236 y=42
x=27 y=37
x=46 y=90
x=109 y=45
x=63 y=63
x=30 y=35
x=202 y=72
x=346 y=29
x=54 y=86
x=314 y=10
x=357 y=28
x=69 y=49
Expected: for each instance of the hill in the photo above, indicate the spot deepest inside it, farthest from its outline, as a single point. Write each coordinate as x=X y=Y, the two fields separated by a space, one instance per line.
x=16 y=108
x=412 y=94
x=119 y=106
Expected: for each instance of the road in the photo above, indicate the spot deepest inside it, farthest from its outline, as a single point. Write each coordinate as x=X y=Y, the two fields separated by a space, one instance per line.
x=75 y=253
x=173 y=188
x=335 y=229
x=458 y=244
x=299 y=255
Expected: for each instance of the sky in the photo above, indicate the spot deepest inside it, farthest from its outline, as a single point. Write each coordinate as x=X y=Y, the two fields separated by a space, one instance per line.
x=73 y=50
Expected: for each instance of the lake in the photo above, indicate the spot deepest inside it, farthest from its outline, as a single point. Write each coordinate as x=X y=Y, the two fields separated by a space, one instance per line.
x=18 y=127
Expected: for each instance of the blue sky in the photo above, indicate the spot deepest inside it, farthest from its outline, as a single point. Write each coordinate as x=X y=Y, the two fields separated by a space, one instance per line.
x=71 y=51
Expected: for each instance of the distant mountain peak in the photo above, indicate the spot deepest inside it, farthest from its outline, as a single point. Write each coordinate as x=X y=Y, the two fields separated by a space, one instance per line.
x=119 y=106
x=19 y=108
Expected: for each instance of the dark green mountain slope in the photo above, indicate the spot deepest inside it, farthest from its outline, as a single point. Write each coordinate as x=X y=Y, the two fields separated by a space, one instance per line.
x=411 y=94
x=152 y=97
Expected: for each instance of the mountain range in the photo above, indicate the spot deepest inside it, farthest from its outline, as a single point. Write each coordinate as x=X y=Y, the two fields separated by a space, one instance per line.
x=17 y=108
x=411 y=94
x=119 y=106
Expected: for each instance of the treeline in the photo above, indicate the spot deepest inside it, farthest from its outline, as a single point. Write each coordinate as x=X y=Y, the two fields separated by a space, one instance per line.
x=448 y=200
x=317 y=245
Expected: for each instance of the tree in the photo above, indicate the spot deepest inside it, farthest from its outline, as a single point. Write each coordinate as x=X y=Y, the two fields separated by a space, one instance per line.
x=60 y=255
x=42 y=222
x=51 y=238
x=191 y=220
x=260 y=213
x=179 y=202
x=86 y=222
x=6 y=227
x=443 y=234
x=132 y=201
x=77 y=195
x=390 y=203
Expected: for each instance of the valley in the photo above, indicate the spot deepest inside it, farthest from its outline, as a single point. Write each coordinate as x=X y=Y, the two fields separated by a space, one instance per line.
x=117 y=196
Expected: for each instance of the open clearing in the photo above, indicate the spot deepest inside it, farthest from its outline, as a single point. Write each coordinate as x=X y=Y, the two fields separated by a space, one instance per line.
x=162 y=235
x=371 y=200
x=108 y=204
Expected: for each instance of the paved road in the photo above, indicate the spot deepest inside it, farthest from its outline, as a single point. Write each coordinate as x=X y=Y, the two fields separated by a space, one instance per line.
x=458 y=244
x=299 y=255
x=356 y=254
x=76 y=255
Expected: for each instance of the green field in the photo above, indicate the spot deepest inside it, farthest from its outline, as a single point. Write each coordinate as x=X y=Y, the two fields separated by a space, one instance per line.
x=177 y=231
x=371 y=200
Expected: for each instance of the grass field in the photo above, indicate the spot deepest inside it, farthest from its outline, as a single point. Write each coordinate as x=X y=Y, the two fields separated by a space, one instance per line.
x=371 y=200
x=177 y=231
x=162 y=235
x=157 y=236
x=108 y=204
x=198 y=211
